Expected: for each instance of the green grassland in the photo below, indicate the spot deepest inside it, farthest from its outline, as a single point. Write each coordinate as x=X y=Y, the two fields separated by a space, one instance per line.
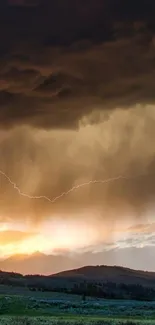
x=20 y=306
x=80 y=321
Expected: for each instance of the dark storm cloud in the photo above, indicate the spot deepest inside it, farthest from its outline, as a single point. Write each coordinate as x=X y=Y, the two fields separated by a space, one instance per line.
x=73 y=72
x=62 y=59
x=66 y=86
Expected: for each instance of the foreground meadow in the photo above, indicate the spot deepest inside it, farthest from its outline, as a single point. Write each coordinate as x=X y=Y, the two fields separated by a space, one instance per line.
x=57 y=308
x=19 y=307
x=63 y=321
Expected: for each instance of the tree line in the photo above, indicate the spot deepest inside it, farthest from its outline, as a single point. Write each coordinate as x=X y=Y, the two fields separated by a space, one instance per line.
x=85 y=288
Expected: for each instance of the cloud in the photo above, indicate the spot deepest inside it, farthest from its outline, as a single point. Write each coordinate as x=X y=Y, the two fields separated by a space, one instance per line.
x=143 y=228
x=11 y=237
x=49 y=162
x=77 y=104
x=27 y=3
x=57 y=88
x=60 y=65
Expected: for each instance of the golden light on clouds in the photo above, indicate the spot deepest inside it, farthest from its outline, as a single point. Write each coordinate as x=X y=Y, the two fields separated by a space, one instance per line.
x=106 y=144
x=52 y=235
x=58 y=235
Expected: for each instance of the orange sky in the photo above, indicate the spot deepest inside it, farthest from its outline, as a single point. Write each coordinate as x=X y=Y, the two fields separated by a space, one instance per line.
x=72 y=235
x=51 y=162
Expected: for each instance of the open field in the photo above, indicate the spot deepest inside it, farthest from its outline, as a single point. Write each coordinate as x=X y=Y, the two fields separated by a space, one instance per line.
x=63 y=321
x=56 y=308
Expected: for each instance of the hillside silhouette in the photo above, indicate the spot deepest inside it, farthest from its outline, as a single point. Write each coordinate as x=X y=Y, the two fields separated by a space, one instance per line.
x=110 y=282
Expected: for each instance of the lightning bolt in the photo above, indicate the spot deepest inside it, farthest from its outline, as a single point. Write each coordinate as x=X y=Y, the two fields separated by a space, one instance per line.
x=53 y=200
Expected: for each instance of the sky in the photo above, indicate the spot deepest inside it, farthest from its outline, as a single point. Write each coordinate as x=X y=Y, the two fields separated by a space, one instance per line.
x=77 y=127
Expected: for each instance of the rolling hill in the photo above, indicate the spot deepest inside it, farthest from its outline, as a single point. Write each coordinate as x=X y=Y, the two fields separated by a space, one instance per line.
x=111 y=282
x=116 y=274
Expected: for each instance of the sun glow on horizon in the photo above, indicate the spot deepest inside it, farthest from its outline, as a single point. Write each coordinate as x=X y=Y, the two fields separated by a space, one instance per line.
x=53 y=235
x=56 y=235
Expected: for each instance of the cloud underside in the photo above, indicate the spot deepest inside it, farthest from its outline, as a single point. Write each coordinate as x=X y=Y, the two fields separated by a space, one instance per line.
x=55 y=87
x=77 y=104
x=59 y=65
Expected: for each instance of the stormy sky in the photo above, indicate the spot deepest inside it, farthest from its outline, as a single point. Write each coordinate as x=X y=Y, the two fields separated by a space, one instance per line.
x=77 y=104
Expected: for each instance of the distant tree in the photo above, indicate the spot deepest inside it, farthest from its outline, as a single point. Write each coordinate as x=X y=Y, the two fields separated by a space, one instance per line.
x=84 y=297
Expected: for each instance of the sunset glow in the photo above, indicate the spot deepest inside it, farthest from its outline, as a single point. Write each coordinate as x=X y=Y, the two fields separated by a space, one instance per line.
x=70 y=236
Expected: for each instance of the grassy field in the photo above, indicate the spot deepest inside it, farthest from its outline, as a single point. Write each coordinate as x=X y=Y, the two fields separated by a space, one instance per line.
x=55 y=308
x=62 y=321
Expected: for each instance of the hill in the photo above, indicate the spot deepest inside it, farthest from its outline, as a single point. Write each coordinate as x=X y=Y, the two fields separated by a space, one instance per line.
x=96 y=281
x=114 y=274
